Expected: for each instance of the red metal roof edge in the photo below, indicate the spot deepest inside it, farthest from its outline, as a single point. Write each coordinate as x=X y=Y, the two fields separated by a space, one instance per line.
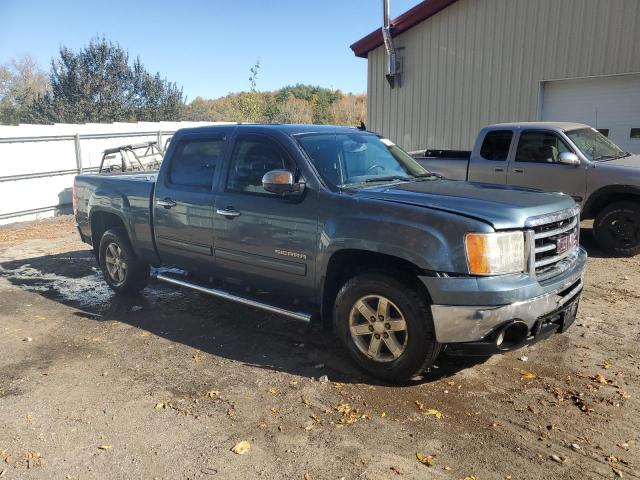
x=404 y=22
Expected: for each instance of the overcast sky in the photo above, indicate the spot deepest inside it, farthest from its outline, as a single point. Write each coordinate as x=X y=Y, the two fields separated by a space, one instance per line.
x=208 y=46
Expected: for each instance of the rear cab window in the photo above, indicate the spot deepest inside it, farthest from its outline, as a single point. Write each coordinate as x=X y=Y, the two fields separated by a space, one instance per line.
x=496 y=145
x=194 y=162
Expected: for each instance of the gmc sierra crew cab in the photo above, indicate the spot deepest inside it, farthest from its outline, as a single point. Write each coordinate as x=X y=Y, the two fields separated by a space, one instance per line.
x=342 y=227
x=557 y=157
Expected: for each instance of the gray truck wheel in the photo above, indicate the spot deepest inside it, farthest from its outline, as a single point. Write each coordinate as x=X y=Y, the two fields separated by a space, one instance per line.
x=386 y=327
x=617 y=228
x=122 y=270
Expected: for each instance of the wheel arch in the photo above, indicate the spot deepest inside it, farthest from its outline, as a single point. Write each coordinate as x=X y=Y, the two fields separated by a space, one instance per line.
x=349 y=262
x=101 y=221
x=609 y=194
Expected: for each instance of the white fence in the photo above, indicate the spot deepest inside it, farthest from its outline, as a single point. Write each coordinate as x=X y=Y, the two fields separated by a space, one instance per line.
x=38 y=162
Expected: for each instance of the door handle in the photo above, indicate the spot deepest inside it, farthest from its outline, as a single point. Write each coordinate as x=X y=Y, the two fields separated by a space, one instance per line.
x=518 y=170
x=498 y=169
x=228 y=212
x=166 y=203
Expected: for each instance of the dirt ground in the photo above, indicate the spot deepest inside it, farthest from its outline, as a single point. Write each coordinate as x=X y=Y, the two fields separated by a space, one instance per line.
x=164 y=385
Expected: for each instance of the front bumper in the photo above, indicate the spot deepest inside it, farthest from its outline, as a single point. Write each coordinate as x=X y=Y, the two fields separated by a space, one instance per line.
x=473 y=323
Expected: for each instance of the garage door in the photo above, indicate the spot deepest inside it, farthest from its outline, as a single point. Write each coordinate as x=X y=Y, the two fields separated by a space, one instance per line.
x=610 y=104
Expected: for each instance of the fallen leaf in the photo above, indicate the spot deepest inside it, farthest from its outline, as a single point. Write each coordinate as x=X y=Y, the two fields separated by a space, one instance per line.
x=144 y=334
x=601 y=379
x=241 y=448
x=383 y=414
x=273 y=391
x=556 y=459
x=527 y=375
x=617 y=472
x=160 y=405
x=434 y=412
x=419 y=404
x=306 y=476
x=213 y=393
x=197 y=357
x=425 y=459
x=105 y=447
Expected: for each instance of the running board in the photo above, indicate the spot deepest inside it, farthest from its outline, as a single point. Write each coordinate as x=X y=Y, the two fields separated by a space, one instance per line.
x=305 y=317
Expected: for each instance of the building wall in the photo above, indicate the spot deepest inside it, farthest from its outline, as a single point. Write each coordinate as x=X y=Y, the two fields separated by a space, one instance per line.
x=479 y=62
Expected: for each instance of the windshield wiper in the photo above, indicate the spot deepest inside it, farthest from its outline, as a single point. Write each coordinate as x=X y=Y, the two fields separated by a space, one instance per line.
x=388 y=179
x=428 y=175
x=603 y=158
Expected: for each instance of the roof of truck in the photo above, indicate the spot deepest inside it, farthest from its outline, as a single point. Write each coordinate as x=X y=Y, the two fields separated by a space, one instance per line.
x=542 y=125
x=287 y=128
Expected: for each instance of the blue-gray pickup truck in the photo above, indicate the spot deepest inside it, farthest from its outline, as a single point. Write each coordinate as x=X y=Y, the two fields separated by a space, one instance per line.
x=339 y=226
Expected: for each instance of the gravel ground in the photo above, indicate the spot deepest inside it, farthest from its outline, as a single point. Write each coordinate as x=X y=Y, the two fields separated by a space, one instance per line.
x=166 y=384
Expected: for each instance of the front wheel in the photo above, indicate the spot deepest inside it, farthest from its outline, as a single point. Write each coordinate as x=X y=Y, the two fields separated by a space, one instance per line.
x=617 y=228
x=386 y=327
x=122 y=270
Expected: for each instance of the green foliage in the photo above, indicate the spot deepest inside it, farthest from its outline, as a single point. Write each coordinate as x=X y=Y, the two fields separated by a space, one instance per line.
x=98 y=84
x=21 y=82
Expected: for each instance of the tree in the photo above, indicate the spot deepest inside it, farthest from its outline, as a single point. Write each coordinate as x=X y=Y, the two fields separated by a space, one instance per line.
x=98 y=84
x=294 y=110
x=350 y=110
x=250 y=102
x=21 y=82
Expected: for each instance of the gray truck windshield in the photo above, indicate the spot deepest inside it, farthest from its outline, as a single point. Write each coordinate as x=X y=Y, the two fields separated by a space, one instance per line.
x=594 y=145
x=359 y=159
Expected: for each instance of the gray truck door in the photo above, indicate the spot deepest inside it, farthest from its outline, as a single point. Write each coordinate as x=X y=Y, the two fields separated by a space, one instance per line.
x=535 y=165
x=488 y=161
x=183 y=202
x=263 y=239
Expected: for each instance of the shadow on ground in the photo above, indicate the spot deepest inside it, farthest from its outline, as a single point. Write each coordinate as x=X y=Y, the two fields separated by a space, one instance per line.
x=205 y=323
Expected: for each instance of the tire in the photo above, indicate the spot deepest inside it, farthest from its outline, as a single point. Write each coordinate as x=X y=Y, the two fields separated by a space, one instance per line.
x=418 y=346
x=115 y=246
x=617 y=229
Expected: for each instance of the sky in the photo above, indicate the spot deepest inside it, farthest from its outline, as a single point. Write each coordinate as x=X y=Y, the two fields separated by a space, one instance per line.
x=208 y=47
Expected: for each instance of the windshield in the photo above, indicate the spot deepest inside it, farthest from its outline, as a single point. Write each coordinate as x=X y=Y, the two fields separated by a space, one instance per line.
x=594 y=145
x=359 y=159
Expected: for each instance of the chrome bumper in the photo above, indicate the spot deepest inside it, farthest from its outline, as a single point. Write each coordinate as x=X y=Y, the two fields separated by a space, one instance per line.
x=455 y=324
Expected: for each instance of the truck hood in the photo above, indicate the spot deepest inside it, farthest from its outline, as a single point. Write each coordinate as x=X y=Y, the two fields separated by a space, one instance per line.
x=632 y=161
x=503 y=207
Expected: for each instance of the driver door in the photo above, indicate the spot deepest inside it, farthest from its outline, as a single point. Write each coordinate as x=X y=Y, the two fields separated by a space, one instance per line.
x=263 y=239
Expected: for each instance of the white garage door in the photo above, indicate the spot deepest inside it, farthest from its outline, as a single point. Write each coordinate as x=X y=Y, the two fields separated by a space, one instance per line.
x=610 y=104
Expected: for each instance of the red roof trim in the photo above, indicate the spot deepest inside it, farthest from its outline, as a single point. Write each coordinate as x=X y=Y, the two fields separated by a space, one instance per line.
x=404 y=22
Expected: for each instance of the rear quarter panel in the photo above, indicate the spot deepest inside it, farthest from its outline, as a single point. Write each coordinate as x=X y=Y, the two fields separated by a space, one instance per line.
x=128 y=197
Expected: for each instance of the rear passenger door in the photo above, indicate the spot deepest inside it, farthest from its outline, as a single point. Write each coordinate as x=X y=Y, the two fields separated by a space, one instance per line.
x=489 y=164
x=184 y=200
x=535 y=165
x=263 y=239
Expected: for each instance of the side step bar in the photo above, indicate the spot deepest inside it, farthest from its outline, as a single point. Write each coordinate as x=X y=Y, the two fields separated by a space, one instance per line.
x=305 y=317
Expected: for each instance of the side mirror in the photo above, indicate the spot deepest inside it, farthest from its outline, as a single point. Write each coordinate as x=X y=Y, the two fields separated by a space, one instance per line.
x=569 y=158
x=280 y=182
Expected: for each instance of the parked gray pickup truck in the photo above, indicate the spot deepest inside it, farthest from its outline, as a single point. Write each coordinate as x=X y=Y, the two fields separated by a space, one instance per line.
x=339 y=226
x=557 y=157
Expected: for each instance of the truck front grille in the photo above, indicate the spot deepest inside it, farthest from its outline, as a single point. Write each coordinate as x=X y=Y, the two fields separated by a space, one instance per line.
x=555 y=243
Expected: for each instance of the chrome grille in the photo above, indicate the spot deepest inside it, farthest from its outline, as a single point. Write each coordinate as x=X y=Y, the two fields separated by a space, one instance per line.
x=549 y=232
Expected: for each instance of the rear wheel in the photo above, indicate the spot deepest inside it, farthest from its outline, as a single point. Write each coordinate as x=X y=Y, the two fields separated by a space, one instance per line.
x=122 y=270
x=617 y=228
x=386 y=326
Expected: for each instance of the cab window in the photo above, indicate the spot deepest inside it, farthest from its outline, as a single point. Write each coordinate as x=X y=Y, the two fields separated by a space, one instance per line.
x=195 y=161
x=252 y=157
x=540 y=147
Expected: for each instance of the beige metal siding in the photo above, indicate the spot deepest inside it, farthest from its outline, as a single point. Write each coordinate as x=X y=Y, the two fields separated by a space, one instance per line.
x=481 y=61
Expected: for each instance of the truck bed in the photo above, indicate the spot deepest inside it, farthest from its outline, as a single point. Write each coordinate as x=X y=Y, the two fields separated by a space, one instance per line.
x=451 y=164
x=127 y=195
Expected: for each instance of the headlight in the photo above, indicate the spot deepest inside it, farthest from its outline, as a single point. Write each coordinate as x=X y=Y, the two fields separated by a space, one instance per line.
x=495 y=253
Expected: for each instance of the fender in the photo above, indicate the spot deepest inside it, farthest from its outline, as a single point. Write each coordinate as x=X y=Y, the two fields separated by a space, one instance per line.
x=614 y=190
